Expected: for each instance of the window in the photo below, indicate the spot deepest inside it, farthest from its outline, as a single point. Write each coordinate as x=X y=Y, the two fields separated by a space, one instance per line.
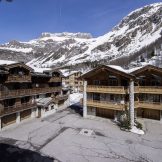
x=96 y=82
x=112 y=97
x=113 y=81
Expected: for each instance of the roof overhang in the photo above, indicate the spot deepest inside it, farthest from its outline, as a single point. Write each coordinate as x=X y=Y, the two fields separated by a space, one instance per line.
x=107 y=68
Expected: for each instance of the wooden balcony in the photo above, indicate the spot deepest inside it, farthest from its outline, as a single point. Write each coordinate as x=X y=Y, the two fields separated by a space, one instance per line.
x=148 y=105
x=18 y=78
x=16 y=108
x=27 y=92
x=148 y=89
x=106 y=89
x=55 y=79
x=105 y=105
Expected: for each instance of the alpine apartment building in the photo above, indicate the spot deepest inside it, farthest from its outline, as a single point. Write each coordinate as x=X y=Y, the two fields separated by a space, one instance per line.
x=110 y=90
x=72 y=81
x=25 y=93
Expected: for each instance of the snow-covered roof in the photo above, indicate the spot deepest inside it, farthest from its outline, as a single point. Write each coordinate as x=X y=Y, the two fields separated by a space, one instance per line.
x=67 y=73
x=43 y=101
x=128 y=71
x=38 y=70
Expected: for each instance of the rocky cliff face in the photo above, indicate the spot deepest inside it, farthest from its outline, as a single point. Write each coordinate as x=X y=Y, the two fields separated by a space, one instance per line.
x=134 y=37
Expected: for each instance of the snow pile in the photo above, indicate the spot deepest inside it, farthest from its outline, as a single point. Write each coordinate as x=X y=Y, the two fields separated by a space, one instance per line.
x=137 y=131
x=75 y=98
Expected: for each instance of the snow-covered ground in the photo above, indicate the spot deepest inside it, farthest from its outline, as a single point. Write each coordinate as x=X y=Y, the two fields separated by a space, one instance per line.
x=75 y=98
x=137 y=131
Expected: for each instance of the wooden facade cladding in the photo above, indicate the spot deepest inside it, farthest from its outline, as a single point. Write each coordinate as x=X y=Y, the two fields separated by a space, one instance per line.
x=13 y=109
x=55 y=79
x=106 y=105
x=27 y=92
x=18 y=78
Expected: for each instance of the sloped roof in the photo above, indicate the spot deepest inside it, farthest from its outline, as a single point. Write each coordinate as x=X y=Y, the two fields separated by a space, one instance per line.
x=116 y=69
x=145 y=68
x=44 y=101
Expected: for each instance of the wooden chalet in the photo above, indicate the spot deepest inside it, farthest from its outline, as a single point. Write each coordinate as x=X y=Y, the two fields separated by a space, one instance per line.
x=21 y=86
x=148 y=92
x=107 y=92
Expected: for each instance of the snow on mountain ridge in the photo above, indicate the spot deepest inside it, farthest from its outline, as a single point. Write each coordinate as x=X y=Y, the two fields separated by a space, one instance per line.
x=134 y=33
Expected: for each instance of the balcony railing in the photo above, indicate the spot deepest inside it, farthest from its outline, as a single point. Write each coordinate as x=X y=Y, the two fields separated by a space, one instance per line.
x=105 y=105
x=15 y=108
x=19 y=78
x=106 y=89
x=55 y=79
x=27 y=92
x=148 y=105
x=123 y=90
x=148 y=89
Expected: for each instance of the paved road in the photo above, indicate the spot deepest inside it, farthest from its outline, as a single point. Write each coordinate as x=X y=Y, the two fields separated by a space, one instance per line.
x=59 y=137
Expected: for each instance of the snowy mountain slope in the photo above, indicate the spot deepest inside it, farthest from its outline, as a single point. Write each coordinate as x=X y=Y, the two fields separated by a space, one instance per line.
x=136 y=34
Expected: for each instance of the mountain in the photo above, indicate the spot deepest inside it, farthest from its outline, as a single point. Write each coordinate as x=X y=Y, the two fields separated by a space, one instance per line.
x=132 y=41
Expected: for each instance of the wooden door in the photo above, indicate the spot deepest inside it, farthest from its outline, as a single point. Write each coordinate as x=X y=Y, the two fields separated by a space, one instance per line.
x=25 y=114
x=106 y=113
x=9 y=119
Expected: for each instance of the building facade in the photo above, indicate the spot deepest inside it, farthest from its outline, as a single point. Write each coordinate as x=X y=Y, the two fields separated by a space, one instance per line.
x=110 y=90
x=21 y=88
x=72 y=81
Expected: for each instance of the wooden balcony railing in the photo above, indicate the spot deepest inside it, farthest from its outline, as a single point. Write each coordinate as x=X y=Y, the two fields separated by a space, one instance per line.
x=55 y=79
x=148 y=105
x=106 y=89
x=123 y=90
x=27 y=92
x=105 y=105
x=14 y=109
x=19 y=78
x=148 y=89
